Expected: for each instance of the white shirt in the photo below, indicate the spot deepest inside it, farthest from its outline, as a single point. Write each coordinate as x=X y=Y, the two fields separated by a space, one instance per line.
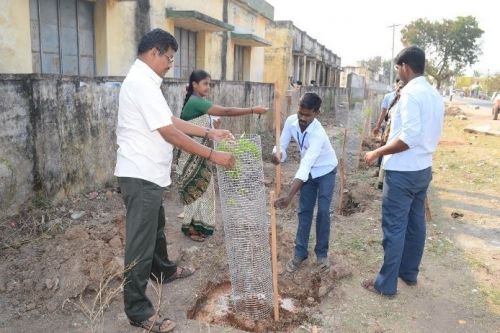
x=417 y=121
x=317 y=156
x=142 y=109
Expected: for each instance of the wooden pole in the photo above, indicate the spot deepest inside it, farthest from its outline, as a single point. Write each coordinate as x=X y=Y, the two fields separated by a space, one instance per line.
x=274 y=258
x=428 y=214
x=341 y=170
x=277 y=124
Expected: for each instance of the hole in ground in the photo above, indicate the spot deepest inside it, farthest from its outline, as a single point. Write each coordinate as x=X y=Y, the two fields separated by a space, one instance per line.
x=215 y=306
x=350 y=205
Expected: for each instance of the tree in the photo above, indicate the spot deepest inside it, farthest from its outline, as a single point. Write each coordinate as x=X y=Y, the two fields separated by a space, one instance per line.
x=463 y=82
x=386 y=68
x=374 y=63
x=378 y=65
x=493 y=83
x=450 y=45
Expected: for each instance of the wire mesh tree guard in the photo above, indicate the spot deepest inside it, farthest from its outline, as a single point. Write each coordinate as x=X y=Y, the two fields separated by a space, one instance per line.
x=246 y=227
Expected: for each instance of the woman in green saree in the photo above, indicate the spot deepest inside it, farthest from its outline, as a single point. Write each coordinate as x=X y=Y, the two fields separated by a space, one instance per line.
x=194 y=174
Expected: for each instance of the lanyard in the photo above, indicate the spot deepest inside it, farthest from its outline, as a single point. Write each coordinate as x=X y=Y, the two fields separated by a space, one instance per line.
x=301 y=144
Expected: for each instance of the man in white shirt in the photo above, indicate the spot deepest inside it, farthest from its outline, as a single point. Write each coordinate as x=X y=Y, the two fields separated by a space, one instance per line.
x=315 y=179
x=146 y=133
x=416 y=128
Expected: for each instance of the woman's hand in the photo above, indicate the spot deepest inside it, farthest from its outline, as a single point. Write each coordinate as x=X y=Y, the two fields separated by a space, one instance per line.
x=219 y=134
x=259 y=109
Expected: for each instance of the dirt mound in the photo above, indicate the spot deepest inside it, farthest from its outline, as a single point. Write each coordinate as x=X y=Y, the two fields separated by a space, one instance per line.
x=453 y=110
x=300 y=293
x=357 y=197
x=370 y=143
x=41 y=276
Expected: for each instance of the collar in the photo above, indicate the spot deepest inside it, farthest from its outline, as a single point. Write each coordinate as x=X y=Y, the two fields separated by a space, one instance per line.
x=148 y=71
x=309 y=128
x=415 y=81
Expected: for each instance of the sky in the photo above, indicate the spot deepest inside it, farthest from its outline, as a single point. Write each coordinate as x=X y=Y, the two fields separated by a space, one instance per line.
x=357 y=30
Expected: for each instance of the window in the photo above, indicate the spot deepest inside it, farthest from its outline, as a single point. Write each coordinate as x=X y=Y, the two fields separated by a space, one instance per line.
x=298 y=67
x=62 y=37
x=240 y=63
x=185 y=57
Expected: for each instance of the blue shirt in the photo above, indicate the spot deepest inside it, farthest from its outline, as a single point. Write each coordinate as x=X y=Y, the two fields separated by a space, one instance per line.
x=317 y=156
x=388 y=98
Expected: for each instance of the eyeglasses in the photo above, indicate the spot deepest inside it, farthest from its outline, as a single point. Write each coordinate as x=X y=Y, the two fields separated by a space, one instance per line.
x=397 y=67
x=169 y=58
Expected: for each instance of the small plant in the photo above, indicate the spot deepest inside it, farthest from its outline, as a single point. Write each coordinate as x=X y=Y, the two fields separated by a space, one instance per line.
x=41 y=201
x=240 y=149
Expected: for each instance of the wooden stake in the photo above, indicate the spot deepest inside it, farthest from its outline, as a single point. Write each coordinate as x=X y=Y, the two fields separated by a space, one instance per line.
x=428 y=214
x=341 y=170
x=274 y=258
x=277 y=124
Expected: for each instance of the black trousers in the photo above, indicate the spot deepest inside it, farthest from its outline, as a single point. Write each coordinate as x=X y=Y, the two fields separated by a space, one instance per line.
x=146 y=253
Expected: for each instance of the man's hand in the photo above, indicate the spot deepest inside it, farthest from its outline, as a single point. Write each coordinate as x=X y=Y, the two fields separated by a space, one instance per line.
x=282 y=202
x=275 y=159
x=371 y=157
x=219 y=134
x=376 y=130
x=260 y=109
x=222 y=158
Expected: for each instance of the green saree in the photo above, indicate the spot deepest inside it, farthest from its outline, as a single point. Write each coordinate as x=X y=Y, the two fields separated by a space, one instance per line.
x=194 y=175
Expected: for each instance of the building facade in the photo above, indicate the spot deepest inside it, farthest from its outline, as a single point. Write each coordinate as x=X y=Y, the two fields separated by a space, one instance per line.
x=100 y=37
x=296 y=56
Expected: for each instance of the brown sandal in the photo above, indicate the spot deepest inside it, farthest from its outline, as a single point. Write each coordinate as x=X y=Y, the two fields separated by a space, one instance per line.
x=155 y=325
x=369 y=284
x=180 y=273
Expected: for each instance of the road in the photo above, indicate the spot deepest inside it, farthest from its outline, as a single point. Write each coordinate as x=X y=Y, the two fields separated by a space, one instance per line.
x=472 y=101
x=479 y=113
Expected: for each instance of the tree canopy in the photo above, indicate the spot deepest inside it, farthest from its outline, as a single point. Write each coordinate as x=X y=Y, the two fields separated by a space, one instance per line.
x=450 y=45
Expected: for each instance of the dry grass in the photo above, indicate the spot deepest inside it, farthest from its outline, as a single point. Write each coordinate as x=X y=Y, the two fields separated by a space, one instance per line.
x=470 y=161
x=158 y=291
x=467 y=181
x=110 y=287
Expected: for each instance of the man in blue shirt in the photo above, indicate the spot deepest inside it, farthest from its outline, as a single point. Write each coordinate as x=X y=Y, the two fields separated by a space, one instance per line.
x=385 y=105
x=315 y=179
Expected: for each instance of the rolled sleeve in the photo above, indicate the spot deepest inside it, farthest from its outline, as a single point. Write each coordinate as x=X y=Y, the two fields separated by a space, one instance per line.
x=385 y=103
x=285 y=138
x=411 y=121
x=310 y=157
x=283 y=153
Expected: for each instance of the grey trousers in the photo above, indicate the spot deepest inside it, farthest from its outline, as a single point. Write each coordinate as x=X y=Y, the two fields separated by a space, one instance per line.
x=146 y=253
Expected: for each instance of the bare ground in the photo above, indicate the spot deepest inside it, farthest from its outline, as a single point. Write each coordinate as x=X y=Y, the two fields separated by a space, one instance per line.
x=48 y=258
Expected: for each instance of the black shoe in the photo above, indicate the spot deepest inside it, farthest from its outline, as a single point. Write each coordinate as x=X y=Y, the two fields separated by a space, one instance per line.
x=408 y=282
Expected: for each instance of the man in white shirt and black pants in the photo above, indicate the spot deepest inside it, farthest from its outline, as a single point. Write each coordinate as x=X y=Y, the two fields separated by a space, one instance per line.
x=416 y=128
x=146 y=133
x=315 y=179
